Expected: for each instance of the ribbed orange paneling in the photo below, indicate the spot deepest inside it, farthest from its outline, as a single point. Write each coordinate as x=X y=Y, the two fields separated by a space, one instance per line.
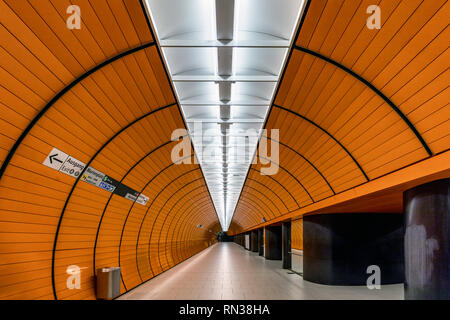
x=337 y=100
x=84 y=93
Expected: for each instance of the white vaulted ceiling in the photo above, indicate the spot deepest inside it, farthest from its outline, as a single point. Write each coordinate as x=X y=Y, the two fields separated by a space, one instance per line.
x=225 y=58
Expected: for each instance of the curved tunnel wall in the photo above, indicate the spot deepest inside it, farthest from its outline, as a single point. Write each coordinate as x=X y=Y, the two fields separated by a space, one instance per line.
x=354 y=104
x=101 y=95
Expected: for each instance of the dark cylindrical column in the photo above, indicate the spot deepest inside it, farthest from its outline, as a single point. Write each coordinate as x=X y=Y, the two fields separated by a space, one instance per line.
x=272 y=245
x=427 y=241
x=345 y=248
x=254 y=241
x=286 y=230
x=239 y=239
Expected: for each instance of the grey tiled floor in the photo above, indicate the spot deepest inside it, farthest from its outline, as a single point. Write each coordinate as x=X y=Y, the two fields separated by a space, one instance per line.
x=227 y=271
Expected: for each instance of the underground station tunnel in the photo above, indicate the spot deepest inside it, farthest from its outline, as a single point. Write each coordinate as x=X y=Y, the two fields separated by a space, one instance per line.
x=224 y=150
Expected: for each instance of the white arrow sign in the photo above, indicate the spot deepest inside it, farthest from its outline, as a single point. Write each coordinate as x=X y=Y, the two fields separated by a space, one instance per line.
x=55 y=159
x=62 y=162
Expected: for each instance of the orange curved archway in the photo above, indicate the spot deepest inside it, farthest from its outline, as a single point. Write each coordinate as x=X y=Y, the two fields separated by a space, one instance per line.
x=101 y=95
x=358 y=105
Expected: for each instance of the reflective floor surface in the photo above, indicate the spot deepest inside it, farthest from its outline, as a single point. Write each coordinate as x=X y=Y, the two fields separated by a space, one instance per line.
x=229 y=272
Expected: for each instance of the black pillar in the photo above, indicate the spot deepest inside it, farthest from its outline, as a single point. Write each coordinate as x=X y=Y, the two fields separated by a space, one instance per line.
x=236 y=239
x=254 y=241
x=239 y=239
x=286 y=252
x=273 y=243
x=261 y=241
x=427 y=241
x=339 y=248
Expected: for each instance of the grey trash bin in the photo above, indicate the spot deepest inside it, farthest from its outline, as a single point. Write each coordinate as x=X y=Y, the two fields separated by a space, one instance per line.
x=108 y=283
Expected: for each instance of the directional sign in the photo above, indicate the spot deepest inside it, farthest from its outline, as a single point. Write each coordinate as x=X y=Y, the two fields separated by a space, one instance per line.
x=109 y=184
x=131 y=196
x=142 y=199
x=67 y=164
x=126 y=192
x=55 y=159
x=93 y=176
x=72 y=167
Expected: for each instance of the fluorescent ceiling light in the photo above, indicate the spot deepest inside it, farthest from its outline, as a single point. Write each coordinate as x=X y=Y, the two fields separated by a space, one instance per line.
x=188 y=33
